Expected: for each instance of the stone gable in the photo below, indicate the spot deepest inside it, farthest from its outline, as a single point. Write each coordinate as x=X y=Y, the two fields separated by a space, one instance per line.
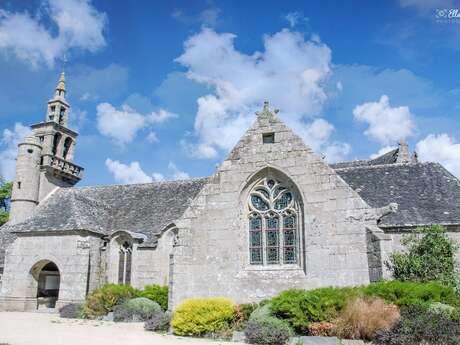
x=212 y=258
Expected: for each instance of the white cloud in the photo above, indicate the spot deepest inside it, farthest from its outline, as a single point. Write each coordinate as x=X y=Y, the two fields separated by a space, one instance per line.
x=77 y=118
x=441 y=148
x=91 y=84
x=289 y=73
x=79 y=25
x=386 y=124
x=177 y=174
x=9 y=144
x=127 y=173
x=158 y=177
x=208 y=17
x=382 y=151
x=293 y=18
x=425 y=6
x=339 y=86
x=133 y=172
x=152 y=137
x=161 y=116
x=122 y=125
x=317 y=135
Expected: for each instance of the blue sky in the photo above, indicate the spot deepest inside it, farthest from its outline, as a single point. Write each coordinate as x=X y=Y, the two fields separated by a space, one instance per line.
x=163 y=90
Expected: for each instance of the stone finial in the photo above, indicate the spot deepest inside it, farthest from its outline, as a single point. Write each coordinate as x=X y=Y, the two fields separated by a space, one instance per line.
x=414 y=158
x=266 y=113
x=403 y=152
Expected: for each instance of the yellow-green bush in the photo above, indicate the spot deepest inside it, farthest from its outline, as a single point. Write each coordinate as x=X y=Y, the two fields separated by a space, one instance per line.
x=102 y=301
x=199 y=316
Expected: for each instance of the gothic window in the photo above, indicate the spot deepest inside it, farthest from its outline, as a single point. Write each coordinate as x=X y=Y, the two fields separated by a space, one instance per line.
x=67 y=145
x=273 y=224
x=56 y=140
x=125 y=263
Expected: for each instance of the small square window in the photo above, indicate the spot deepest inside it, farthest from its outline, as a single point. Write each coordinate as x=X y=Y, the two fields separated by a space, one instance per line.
x=268 y=138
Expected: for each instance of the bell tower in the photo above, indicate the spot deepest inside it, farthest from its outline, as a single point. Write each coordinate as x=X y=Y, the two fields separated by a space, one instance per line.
x=45 y=158
x=58 y=107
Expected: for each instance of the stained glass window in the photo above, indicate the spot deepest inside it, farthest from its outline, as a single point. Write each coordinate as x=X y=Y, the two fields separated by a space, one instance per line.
x=273 y=228
x=272 y=239
x=255 y=240
x=289 y=234
x=259 y=203
x=283 y=201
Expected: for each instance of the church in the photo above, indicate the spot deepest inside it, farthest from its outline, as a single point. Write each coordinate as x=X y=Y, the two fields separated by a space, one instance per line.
x=273 y=216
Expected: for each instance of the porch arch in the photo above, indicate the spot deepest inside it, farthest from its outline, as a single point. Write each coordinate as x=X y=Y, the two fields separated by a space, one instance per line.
x=45 y=283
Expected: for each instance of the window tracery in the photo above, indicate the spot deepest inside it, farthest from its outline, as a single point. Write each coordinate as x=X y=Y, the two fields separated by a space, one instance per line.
x=125 y=263
x=273 y=224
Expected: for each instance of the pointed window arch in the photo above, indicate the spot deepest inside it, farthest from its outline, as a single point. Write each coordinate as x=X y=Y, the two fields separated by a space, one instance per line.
x=56 y=140
x=273 y=223
x=125 y=263
x=67 y=145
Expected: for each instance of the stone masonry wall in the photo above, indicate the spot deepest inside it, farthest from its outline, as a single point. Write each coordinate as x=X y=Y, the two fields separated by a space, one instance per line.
x=152 y=265
x=76 y=257
x=212 y=256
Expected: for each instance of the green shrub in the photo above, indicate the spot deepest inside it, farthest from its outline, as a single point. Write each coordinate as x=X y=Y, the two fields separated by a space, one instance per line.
x=157 y=294
x=410 y=293
x=261 y=312
x=135 y=310
x=158 y=322
x=72 y=311
x=102 y=301
x=430 y=256
x=245 y=310
x=441 y=308
x=242 y=314
x=418 y=325
x=300 y=307
x=199 y=316
x=267 y=331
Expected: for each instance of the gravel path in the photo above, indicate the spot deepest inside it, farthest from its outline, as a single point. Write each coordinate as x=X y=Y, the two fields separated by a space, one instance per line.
x=49 y=329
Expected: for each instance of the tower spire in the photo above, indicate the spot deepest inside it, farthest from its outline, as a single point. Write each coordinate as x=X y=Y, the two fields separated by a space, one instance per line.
x=60 y=88
x=58 y=108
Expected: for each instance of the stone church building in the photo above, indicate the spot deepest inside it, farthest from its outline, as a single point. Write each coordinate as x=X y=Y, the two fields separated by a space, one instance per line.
x=273 y=216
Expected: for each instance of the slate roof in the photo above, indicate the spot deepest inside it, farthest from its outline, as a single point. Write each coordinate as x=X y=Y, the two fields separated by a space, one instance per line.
x=425 y=192
x=142 y=208
x=387 y=158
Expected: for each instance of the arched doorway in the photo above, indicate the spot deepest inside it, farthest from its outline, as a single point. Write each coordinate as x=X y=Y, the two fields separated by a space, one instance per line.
x=48 y=281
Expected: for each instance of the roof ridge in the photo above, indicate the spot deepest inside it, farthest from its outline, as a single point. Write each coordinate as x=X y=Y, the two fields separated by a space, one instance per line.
x=195 y=179
x=383 y=165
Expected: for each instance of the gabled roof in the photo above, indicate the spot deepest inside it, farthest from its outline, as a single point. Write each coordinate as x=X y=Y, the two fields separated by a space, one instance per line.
x=142 y=208
x=425 y=192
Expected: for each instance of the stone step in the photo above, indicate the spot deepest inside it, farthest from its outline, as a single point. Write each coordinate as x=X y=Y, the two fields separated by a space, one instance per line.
x=45 y=310
x=316 y=341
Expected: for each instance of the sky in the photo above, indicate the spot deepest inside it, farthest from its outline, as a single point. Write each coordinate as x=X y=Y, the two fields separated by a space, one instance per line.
x=162 y=90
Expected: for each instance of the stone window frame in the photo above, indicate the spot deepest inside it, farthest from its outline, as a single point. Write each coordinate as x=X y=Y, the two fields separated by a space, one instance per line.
x=124 y=248
x=294 y=208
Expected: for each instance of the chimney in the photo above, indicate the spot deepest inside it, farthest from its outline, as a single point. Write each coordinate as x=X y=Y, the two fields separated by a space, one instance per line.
x=403 y=153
